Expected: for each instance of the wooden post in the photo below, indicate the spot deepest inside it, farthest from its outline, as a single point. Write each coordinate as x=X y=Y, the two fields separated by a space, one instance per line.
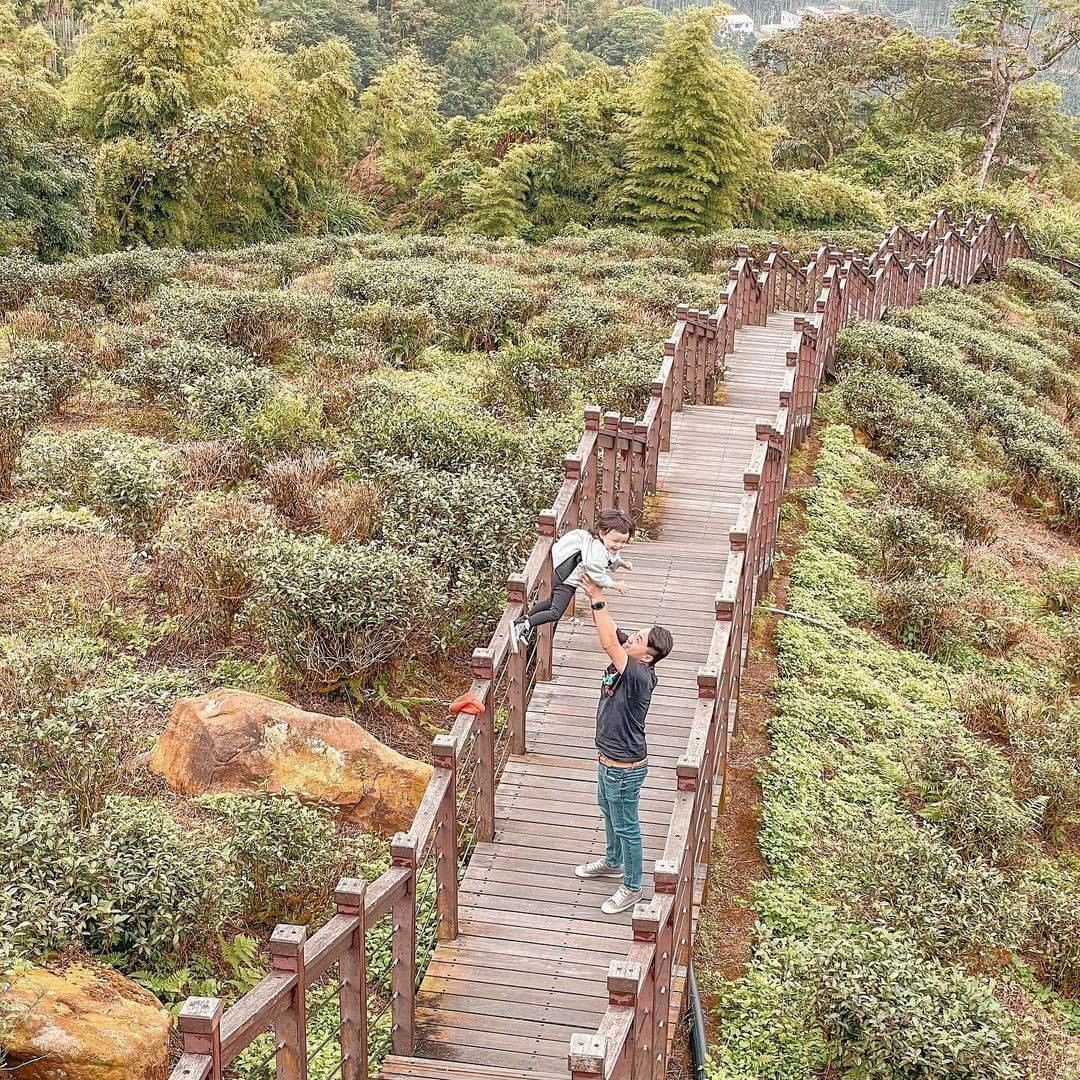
x=199 y=1024
x=626 y=463
x=622 y=985
x=290 y=1028
x=484 y=669
x=639 y=468
x=515 y=691
x=646 y=925
x=572 y=472
x=349 y=897
x=609 y=439
x=444 y=756
x=403 y=951
x=587 y=516
x=545 y=638
x=657 y=435
x=586 y=1057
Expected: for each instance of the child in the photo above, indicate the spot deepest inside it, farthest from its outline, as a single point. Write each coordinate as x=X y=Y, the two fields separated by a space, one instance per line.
x=578 y=552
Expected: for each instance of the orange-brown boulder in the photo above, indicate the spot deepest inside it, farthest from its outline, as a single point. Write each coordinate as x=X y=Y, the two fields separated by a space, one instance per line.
x=239 y=743
x=83 y=1023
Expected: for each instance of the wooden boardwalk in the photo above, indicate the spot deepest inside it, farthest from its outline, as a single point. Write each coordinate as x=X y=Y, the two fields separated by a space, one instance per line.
x=530 y=964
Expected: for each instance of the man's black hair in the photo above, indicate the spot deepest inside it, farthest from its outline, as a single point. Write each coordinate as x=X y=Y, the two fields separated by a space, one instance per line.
x=660 y=643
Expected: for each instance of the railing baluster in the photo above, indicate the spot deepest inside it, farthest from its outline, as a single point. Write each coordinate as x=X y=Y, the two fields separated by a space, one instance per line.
x=352 y=967
x=444 y=756
x=403 y=853
x=290 y=1028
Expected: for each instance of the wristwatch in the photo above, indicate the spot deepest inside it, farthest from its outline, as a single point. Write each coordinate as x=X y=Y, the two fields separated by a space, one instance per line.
x=598 y=605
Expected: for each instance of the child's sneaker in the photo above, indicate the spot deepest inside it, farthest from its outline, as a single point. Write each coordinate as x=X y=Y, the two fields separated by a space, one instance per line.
x=624 y=898
x=520 y=632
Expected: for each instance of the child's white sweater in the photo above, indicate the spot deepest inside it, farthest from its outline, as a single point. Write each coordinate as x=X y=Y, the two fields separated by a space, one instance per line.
x=579 y=552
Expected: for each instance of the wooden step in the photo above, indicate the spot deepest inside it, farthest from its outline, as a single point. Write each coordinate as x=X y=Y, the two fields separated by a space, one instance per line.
x=420 y=1068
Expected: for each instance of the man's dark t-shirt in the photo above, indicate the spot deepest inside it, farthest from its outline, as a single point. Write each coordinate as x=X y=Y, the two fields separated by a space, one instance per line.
x=624 y=704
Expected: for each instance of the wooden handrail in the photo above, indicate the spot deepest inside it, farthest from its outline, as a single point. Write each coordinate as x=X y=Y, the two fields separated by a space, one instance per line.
x=615 y=463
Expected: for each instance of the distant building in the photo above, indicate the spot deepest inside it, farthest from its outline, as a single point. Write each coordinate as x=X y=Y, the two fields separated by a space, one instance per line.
x=790 y=19
x=738 y=23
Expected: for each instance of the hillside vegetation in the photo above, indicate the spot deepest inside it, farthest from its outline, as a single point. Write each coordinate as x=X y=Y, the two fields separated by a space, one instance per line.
x=921 y=914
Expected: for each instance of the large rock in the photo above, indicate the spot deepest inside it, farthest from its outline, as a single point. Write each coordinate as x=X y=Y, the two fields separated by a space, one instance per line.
x=240 y=743
x=83 y=1023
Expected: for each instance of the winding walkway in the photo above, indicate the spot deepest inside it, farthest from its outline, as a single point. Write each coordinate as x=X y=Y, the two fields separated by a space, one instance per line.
x=530 y=964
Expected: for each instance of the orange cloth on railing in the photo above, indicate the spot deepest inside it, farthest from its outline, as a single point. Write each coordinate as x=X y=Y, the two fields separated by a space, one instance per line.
x=467 y=703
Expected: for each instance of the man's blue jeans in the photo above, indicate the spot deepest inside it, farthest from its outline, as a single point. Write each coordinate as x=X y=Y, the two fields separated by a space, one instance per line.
x=618 y=792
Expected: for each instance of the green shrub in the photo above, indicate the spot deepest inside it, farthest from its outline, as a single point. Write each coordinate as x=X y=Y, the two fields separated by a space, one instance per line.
x=902 y=423
x=621 y=382
x=115 y=280
x=1040 y=283
x=203 y=560
x=530 y=379
x=126 y=479
x=1046 y=744
x=389 y=421
x=583 y=326
x=165 y=370
x=964 y=789
x=806 y=197
x=480 y=306
x=221 y=401
x=911 y=541
x=399 y=281
x=287 y=422
x=892 y=1013
x=35 y=377
x=947 y=492
x=263 y=324
x=134 y=884
x=1062 y=585
x=340 y=613
x=403 y=330
x=285 y=859
x=491 y=524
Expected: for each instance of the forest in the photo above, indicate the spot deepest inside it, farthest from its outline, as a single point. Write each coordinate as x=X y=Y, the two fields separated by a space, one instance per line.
x=302 y=301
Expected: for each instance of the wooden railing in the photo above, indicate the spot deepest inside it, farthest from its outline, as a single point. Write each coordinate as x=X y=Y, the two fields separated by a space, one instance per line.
x=415 y=902
x=1069 y=268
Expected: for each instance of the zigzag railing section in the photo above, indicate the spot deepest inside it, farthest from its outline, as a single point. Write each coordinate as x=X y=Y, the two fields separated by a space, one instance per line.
x=414 y=902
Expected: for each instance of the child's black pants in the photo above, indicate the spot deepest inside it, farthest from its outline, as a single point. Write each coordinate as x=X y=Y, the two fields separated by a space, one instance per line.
x=554 y=607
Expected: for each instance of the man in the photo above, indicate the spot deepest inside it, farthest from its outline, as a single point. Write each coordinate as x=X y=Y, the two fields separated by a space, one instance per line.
x=625 y=694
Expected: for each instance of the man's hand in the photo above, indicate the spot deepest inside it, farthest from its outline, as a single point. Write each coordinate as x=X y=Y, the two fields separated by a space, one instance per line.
x=592 y=590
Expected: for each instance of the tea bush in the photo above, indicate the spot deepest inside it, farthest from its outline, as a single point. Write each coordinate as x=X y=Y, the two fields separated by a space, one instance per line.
x=583 y=326
x=284 y=858
x=202 y=560
x=472 y=527
x=115 y=280
x=912 y=541
x=481 y=306
x=165 y=370
x=263 y=324
x=389 y=421
x=134 y=884
x=340 y=613
x=126 y=479
x=1062 y=585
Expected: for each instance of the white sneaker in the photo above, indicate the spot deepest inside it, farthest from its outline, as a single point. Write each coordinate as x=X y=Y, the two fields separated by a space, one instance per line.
x=624 y=898
x=599 y=868
x=520 y=632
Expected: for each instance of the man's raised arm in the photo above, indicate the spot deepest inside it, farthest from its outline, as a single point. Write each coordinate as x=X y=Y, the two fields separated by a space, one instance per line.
x=606 y=629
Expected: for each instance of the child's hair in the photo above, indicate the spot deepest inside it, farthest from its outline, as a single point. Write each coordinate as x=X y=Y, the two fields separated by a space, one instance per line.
x=615 y=521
